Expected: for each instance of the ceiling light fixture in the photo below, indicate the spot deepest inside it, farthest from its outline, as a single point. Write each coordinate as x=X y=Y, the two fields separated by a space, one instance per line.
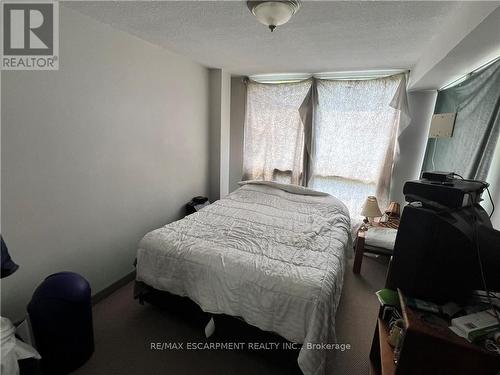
x=274 y=13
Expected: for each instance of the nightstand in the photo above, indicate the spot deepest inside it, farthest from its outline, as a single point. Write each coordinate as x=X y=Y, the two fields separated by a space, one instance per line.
x=378 y=239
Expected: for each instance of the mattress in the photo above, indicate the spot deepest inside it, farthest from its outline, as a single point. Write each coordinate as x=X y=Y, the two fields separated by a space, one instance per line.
x=272 y=257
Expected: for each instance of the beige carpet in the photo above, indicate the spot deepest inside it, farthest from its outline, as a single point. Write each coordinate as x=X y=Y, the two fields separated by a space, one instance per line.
x=124 y=331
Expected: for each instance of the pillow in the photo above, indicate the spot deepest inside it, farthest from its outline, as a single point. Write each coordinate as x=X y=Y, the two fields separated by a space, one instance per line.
x=290 y=188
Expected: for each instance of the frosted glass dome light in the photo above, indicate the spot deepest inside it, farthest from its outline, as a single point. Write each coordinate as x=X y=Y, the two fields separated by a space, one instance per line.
x=273 y=13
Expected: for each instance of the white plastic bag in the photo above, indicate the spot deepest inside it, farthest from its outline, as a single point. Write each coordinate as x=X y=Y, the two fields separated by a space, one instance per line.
x=12 y=349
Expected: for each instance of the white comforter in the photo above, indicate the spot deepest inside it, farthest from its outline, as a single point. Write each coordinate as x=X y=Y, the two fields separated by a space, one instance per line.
x=273 y=258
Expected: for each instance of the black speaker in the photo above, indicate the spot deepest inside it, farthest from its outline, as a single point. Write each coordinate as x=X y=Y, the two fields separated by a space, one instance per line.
x=196 y=204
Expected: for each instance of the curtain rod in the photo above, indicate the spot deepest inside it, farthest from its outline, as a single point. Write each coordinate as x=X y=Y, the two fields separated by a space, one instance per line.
x=346 y=75
x=467 y=75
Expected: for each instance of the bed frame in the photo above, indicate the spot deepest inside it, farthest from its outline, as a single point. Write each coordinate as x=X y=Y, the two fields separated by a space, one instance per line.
x=228 y=328
x=173 y=303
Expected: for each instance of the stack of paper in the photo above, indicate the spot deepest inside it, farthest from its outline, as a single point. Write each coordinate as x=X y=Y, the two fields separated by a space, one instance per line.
x=475 y=326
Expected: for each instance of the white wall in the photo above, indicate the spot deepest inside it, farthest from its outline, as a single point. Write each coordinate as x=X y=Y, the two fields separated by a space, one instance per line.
x=97 y=154
x=238 y=103
x=412 y=142
x=215 y=132
x=220 y=101
x=465 y=42
x=225 y=132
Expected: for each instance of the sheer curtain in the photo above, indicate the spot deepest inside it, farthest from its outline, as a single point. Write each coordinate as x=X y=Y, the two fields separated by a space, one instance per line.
x=356 y=125
x=337 y=136
x=274 y=132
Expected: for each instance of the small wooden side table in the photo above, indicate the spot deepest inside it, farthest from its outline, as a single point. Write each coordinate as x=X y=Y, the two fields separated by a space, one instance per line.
x=361 y=247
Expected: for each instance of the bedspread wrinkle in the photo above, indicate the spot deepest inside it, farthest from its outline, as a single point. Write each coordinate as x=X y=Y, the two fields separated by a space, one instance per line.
x=273 y=258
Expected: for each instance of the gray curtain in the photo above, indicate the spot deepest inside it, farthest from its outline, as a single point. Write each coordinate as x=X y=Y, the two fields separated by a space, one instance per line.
x=469 y=151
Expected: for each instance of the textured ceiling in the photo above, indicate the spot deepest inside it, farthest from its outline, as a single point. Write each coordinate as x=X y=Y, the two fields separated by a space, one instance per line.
x=322 y=36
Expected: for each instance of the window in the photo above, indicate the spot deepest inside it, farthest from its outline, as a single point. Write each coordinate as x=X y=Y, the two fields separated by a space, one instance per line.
x=354 y=132
x=274 y=135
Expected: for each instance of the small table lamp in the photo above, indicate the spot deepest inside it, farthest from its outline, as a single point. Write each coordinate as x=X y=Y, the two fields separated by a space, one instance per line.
x=370 y=209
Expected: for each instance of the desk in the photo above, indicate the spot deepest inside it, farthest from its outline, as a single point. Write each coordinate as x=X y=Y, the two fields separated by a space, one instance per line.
x=428 y=349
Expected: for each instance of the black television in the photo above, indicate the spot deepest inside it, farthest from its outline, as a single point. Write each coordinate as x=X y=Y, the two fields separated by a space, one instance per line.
x=435 y=256
x=488 y=240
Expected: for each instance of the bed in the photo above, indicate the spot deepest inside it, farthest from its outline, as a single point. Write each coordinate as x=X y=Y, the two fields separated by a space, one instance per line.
x=271 y=254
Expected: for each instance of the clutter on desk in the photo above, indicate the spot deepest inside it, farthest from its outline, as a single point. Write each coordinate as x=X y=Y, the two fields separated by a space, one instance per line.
x=476 y=326
x=478 y=322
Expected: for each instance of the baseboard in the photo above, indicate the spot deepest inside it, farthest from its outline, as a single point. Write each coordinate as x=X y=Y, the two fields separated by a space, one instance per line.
x=99 y=296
